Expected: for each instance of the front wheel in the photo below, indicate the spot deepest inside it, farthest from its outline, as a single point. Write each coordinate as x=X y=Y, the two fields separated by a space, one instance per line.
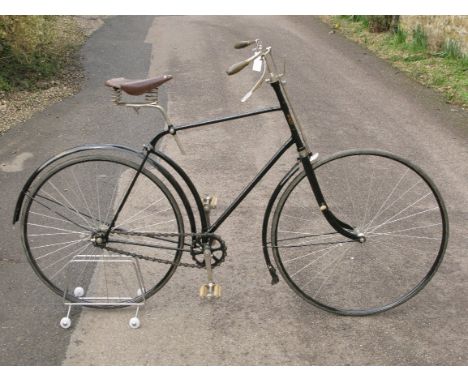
x=391 y=202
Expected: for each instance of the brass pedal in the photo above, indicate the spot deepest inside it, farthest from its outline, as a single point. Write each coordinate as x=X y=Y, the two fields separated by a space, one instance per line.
x=210 y=202
x=213 y=202
x=203 y=291
x=217 y=291
x=210 y=290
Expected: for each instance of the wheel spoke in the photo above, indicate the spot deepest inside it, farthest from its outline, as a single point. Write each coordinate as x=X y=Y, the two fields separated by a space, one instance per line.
x=55 y=228
x=151 y=225
x=336 y=262
x=81 y=249
x=81 y=192
x=79 y=214
x=55 y=212
x=138 y=213
x=389 y=196
x=327 y=251
x=372 y=230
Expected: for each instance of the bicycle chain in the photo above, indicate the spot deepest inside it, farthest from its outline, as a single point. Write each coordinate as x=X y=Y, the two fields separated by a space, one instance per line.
x=156 y=260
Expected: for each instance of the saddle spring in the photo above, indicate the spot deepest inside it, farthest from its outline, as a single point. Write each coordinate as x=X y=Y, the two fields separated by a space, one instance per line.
x=151 y=97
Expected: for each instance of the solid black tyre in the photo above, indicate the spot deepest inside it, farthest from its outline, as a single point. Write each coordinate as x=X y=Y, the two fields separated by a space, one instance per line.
x=392 y=202
x=69 y=208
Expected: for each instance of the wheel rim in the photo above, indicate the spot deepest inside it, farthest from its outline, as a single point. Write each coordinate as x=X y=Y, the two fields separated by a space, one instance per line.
x=68 y=210
x=392 y=203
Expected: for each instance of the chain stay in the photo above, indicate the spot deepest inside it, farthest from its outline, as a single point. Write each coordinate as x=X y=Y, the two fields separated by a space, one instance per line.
x=198 y=236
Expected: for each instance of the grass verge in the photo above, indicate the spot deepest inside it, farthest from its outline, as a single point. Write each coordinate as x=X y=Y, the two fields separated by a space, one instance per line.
x=445 y=71
x=38 y=68
x=34 y=49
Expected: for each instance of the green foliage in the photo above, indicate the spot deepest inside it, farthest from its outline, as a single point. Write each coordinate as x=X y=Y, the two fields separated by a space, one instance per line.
x=357 y=18
x=400 y=36
x=419 y=41
x=31 y=48
x=414 y=57
x=452 y=50
x=464 y=63
x=445 y=70
x=361 y=19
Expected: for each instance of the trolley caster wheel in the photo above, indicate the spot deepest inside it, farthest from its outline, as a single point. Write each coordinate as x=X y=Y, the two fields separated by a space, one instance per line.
x=78 y=292
x=65 y=322
x=134 y=322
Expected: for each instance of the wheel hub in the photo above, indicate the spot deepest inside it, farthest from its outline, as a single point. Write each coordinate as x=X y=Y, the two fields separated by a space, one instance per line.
x=99 y=239
x=362 y=238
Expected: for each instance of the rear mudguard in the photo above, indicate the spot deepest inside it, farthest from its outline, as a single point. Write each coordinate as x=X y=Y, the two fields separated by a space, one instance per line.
x=165 y=173
x=190 y=185
x=266 y=220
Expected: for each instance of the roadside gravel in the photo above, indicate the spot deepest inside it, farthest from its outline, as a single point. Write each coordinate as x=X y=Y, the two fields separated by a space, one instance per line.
x=19 y=106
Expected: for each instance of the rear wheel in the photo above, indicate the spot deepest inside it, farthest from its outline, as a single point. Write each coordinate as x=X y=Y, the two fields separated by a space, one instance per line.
x=392 y=202
x=67 y=213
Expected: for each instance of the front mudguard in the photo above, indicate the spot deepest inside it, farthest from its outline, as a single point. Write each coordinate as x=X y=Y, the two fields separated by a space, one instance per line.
x=266 y=220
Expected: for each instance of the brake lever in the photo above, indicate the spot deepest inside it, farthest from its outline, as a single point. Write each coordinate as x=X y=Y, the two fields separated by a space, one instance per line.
x=258 y=83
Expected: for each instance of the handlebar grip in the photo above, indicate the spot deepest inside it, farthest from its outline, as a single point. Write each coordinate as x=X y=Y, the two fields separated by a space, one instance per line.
x=243 y=44
x=236 y=68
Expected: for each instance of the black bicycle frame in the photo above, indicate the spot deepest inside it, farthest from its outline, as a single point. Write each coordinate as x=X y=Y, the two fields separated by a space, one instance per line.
x=304 y=158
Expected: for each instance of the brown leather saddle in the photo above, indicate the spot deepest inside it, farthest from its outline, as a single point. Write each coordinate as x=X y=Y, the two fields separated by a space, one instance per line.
x=137 y=87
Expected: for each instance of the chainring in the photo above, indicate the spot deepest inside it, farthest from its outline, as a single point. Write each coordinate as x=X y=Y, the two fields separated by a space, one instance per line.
x=217 y=247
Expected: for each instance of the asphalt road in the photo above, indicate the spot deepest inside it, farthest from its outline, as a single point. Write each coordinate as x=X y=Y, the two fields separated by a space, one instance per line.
x=345 y=98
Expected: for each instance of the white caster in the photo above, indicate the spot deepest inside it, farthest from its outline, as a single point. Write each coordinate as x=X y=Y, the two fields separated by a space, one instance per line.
x=65 y=322
x=134 y=322
x=78 y=292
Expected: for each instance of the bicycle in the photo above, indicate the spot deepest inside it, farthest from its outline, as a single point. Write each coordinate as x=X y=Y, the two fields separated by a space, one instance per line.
x=357 y=233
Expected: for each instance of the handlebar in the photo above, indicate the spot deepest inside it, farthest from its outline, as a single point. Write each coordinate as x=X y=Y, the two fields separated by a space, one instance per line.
x=236 y=68
x=269 y=74
x=243 y=44
x=259 y=54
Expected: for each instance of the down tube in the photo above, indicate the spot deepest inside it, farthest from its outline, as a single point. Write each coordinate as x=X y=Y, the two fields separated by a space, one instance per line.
x=251 y=185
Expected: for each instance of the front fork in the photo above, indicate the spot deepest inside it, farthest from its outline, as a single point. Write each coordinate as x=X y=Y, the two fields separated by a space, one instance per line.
x=340 y=226
x=304 y=156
